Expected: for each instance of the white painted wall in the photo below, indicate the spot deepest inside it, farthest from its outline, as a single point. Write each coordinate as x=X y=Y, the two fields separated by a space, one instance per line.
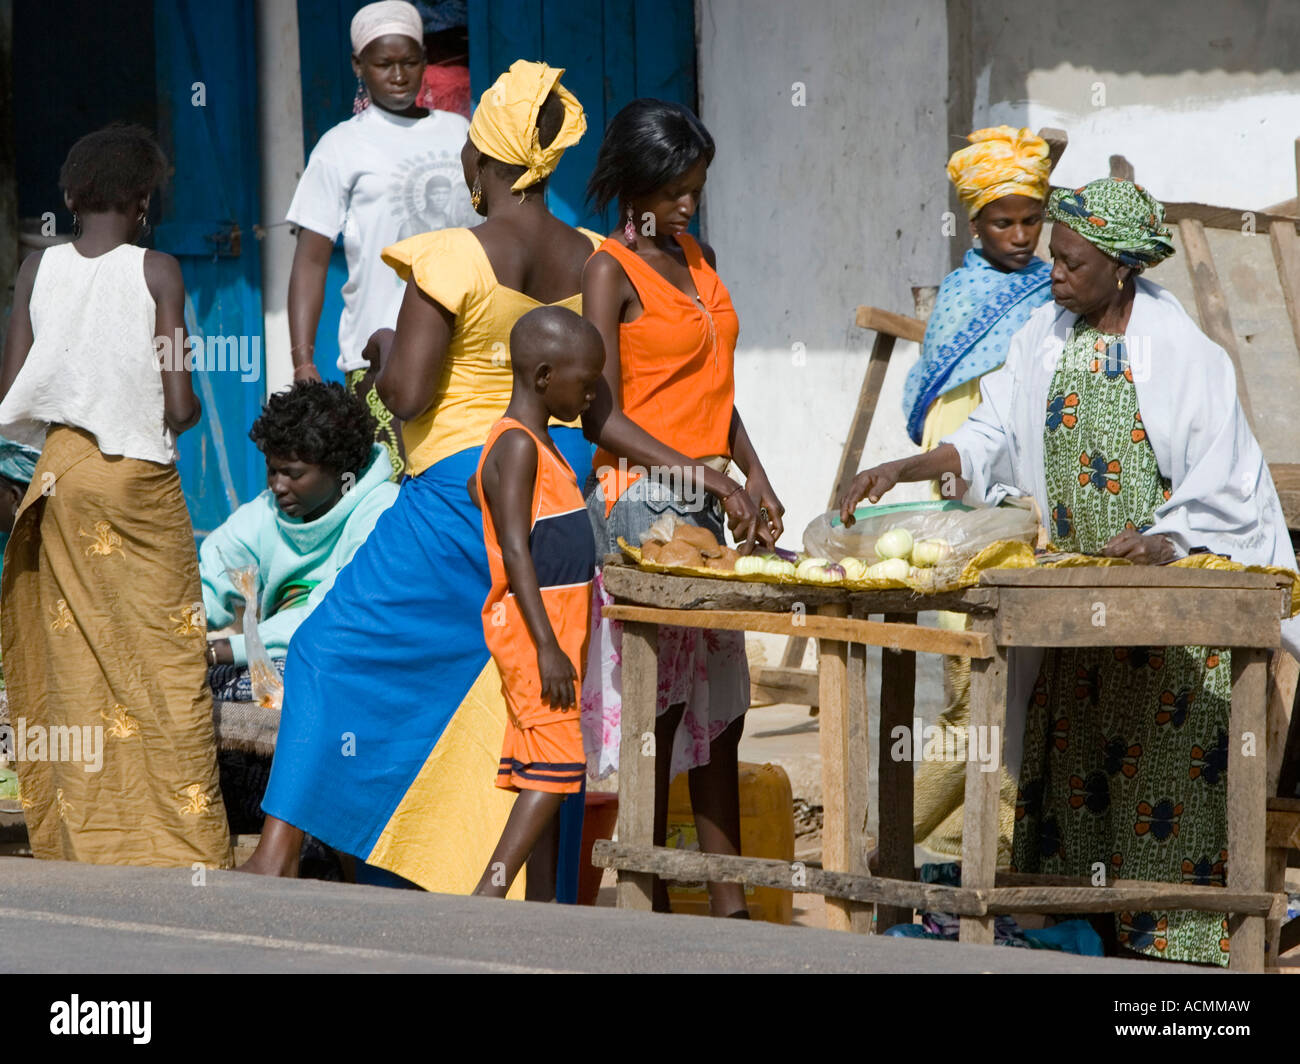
x=1202 y=98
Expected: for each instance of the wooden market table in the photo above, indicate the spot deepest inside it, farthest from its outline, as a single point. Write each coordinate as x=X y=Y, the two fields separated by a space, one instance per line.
x=1090 y=606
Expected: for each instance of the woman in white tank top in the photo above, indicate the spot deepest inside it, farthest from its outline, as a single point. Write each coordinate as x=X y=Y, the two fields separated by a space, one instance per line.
x=104 y=635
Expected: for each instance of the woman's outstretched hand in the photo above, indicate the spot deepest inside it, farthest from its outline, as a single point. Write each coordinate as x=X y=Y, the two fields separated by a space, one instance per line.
x=1140 y=549
x=870 y=484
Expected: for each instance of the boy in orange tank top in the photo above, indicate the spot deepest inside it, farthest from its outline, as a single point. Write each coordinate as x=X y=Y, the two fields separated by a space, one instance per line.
x=542 y=556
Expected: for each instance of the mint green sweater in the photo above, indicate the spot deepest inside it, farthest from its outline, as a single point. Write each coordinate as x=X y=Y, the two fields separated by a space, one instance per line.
x=289 y=551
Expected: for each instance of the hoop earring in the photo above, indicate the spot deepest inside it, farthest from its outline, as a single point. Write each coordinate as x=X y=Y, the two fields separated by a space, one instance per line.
x=362 y=98
x=76 y=225
x=144 y=225
x=476 y=194
x=629 y=229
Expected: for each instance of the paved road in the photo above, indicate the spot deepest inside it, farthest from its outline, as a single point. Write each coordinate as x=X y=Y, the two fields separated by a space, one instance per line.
x=57 y=917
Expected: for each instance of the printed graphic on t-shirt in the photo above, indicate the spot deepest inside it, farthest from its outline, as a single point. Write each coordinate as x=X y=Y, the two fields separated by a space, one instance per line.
x=427 y=192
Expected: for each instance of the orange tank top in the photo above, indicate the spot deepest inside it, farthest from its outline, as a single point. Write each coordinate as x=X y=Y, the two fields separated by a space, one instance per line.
x=563 y=550
x=677 y=362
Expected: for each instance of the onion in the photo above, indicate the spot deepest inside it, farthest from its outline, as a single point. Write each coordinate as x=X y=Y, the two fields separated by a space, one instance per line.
x=749 y=563
x=809 y=565
x=778 y=567
x=896 y=543
x=930 y=552
x=889 y=569
x=854 y=568
x=924 y=577
x=834 y=571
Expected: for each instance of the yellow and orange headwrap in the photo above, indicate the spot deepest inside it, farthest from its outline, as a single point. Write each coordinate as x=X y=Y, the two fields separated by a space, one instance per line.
x=1001 y=161
x=504 y=125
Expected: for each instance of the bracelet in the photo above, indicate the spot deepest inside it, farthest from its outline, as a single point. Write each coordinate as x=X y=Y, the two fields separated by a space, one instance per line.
x=732 y=492
x=212 y=653
x=299 y=347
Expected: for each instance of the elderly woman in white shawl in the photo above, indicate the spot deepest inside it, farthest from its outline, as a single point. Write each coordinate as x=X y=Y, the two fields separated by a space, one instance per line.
x=1121 y=420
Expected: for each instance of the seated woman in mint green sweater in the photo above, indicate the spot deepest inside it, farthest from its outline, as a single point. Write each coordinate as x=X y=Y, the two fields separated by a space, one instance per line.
x=327 y=484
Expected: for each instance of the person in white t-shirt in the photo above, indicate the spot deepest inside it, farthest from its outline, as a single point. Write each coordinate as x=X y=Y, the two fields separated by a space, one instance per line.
x=391 y=171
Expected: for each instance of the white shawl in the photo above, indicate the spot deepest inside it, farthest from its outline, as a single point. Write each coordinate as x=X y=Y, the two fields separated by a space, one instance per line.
x=1223 y=496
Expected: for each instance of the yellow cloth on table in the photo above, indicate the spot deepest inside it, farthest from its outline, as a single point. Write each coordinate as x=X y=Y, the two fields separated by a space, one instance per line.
x=104 y=641
x=451 y=268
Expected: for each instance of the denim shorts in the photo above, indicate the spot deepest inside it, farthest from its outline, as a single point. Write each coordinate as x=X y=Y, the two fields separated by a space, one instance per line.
x=644 y=502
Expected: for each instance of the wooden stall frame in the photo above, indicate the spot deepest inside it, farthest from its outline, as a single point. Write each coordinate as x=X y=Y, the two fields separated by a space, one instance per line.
x=1238 y=609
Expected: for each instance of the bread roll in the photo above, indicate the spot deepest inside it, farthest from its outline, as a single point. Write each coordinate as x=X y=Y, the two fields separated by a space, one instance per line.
x=699 y=538
x=650 y=551
x=680 y=553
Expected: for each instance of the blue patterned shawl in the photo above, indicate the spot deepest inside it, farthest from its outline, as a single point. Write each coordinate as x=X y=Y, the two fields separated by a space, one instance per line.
x=976 y=312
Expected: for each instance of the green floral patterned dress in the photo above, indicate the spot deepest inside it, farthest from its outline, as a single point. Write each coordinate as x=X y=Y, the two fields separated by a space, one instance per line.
x=1126 y=749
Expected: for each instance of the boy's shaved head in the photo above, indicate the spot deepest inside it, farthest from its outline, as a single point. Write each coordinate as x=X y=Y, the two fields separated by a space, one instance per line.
x=557 y=357
x=554 y=335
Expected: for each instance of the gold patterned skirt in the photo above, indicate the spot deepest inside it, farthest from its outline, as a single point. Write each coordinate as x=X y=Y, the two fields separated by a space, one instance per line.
x=388 y=430
x=103 y=643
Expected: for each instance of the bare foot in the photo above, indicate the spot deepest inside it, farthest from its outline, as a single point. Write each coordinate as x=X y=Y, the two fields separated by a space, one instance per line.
x=277 y=851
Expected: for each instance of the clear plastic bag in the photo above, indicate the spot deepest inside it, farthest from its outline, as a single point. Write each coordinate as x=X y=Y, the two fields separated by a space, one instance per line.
x=967 y=530
x=268 y=688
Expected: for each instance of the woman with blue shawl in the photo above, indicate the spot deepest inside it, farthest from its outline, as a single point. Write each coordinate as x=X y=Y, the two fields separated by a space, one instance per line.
x=1001 y=178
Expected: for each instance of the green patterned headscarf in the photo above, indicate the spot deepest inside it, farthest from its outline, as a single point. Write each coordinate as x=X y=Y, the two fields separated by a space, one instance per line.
x=1120 y=218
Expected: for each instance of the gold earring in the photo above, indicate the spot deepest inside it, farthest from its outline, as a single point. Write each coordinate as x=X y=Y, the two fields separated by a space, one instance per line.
x=476 y=194
x=1119 y=283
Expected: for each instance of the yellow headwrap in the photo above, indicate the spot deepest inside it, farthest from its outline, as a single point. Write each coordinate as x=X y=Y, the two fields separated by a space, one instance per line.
x=504 y=125
x=1000 y=161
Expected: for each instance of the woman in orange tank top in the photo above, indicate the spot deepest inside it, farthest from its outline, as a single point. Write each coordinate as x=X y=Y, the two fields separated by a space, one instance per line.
x=668 y=429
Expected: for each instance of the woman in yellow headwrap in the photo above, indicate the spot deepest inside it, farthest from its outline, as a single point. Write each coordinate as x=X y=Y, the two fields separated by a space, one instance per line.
x=393 y=714
x=1002 y=180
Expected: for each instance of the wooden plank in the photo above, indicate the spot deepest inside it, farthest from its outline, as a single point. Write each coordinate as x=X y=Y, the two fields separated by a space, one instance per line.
x=856 y=441
x=1247 y=771
x=1057 y=141
x=897 y=703
x=796 y=687
x=857 y=778
x=825 y=625
x=1211 y=303
x=979 y=844
x=1286 y=254
x=1286 y=478
x=1282 y=829
x=1129 y=576
x=636 y=758
x=1286 y=805
x=694 y=866
x=1283 y=673
x=833 y=695
x=630 y=584
x=1253 y=905
x=886 y=321
x=1135 y=616
x=1234 y=218
x=1274 y=881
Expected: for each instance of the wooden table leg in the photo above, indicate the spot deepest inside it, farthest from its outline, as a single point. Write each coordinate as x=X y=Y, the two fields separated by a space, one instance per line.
x=897 y=703
x=979 y=844
x=1247 y=800
x=833 y=724
x=857 y=781
x=636 y=757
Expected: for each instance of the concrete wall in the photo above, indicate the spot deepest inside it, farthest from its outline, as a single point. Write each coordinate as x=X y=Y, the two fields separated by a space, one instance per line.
x=1203 y=98
x=827 y=192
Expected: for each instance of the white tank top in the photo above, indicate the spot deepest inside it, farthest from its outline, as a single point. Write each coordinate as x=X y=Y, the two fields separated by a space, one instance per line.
x=92 y=363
